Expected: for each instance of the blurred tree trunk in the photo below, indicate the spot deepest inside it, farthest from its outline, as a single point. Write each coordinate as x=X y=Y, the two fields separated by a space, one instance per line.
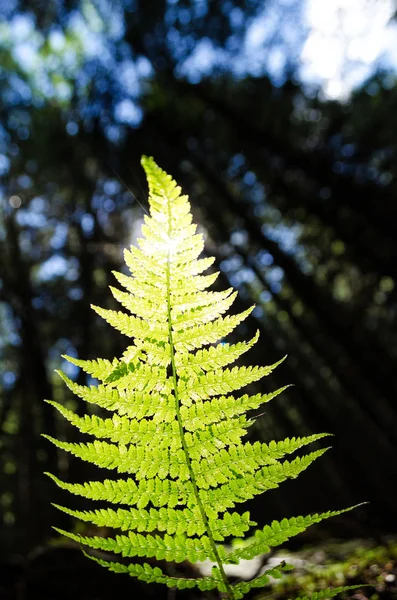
x=34 y=414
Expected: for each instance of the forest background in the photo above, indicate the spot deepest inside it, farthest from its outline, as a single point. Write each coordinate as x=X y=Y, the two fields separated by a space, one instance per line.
x=284 y=134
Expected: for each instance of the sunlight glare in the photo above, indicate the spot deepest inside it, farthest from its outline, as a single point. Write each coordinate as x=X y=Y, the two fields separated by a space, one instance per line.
x=347 y=37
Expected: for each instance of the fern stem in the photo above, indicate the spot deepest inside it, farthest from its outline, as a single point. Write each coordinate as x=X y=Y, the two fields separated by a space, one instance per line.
x=229 y=589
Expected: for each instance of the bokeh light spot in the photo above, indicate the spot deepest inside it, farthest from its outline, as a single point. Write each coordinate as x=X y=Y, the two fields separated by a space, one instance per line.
x=15 y=201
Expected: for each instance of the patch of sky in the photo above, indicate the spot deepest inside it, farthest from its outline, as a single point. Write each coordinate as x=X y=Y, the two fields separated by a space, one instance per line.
x=113 y=133
x=246 y=275
x=4 y=138
x=200 y=8
x=235 y=165
x=261 y=28
x=72 y=128
x=59 y=236
x=109 y=205
x=334 y=46
x=91 y=15
x=18 y=118
x=24 y=181
x=75 y=293
x=96 y=201
x=29 y=218
x=37 y=302
x=265 y=296
x=25 y=241
x=54 y=267
x=260 y=52
x=89 y=33
x=62 y=347
x=84 y=42
x=285 y=236
x=23 y=133
x=259 y=211
x=112 y=16
x=276 y=63
x=201 y=61
x=73 y=268
x=264 y=259
x=9 y=326
x=87 y=223
x=257 y=195
x=14 y=338
x=232 y=263
x=128 y=112
x=4 y=164
x=170 y=16
x=9 y=379
x=249 y=178
x=275 y=287
x=26 y=56
x=70 y=62
x=56 y=40
x=111 y=187
x=348 y=41
x=37 y=204
x=22 y=27
x=236 y=17
x=129 y=76
x=275 y=275
x=7 y=8
x=243 y=275
x=63 y=91
x=20 y=88
x=184 y=16
x=144 y=67
x=239 y=238
x=348 y=150
x=176 y=43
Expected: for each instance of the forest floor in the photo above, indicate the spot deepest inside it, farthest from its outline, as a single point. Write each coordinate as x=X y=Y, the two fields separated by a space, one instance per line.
x=339 y=563
x=61 y=572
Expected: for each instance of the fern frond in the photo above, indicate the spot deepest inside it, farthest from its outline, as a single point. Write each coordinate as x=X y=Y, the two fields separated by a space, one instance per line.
x=172 y=548
x=203 y=386
x=242 y=588
x=140 y=306
x=278 y=532
x=176 y=422
x=246 y=458
x=137 y=405
x=121 y=429
x=99 y=368
x=201 y=414
x=231 y=493
x=329 y=592
x=194 y=301
x=213 y=358
x=159 y=492
x=201 y=335
x=133 y=326
x=149 y=574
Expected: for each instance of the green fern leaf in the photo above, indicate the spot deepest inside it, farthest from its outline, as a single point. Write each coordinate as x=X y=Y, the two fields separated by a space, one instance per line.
x=278 y=533
x=329 y=593
x=240 y=589
x=174 y=423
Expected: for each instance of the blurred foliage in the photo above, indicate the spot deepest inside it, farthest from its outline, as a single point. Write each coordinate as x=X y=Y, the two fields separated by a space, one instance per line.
x=296 y=197
x=336 y=564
